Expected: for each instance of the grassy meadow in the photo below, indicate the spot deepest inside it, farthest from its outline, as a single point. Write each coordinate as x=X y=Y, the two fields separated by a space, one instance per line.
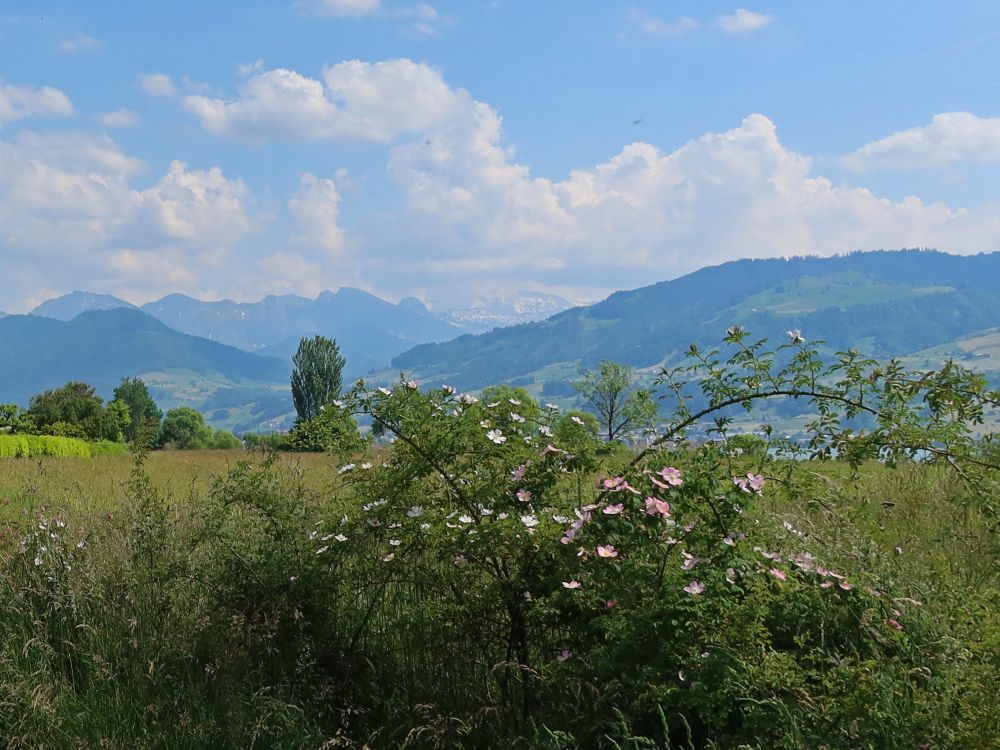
x=202 y=600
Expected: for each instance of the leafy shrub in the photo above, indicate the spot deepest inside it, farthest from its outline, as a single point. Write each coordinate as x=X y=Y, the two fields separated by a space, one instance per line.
x=27 y=446
x=64 y=429
x=334 y=430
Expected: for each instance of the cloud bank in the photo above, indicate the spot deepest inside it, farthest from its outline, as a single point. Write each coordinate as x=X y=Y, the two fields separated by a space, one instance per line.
x=469 y=217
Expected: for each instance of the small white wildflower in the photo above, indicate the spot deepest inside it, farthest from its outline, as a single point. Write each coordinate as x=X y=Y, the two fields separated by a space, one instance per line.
x=322 y=549
x=415 y=512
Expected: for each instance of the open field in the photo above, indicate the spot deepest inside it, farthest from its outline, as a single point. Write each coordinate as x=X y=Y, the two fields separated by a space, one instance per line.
x=214 y=608
x=95 y=485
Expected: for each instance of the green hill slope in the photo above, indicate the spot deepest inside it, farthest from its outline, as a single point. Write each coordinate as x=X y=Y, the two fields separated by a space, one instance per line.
x=101 y=347
x=888 y=303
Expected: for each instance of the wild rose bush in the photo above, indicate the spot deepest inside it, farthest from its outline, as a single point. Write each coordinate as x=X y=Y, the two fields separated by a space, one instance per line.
x=642 y=589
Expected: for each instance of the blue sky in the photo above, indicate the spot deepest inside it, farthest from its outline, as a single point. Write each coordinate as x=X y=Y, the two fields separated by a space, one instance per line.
x=455 y=151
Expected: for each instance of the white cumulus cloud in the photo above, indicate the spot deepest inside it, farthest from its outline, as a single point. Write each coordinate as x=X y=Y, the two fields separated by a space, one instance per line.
x=71 y=218
x=359 y=100
x=744 y=21
x=316 y=207
x=200 y=206
x=950 y=138
x=646 y=214
x=18 y=102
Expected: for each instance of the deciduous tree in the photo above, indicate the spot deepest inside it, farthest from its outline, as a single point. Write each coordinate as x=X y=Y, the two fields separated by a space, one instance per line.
x=143 y=411
x=618 y=405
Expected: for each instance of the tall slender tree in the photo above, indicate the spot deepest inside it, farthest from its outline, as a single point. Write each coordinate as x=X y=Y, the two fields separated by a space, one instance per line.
x=317 y=377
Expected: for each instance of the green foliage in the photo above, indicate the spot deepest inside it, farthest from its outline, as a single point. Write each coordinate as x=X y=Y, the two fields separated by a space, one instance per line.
x=143 y=411
x=65 y=429
x=14 y=420
x=276 y=441
x=31 y=446
x=185 y=428
x=317 y=377
x=333 y=431
x=223 y=440
x=619 y=406
x=753 y=447
x=75 y=404
x=514 y=403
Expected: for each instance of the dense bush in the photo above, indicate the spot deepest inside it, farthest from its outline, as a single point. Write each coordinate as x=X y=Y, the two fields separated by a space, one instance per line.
x=74 y=410
x=185 y=428
x=334 y=430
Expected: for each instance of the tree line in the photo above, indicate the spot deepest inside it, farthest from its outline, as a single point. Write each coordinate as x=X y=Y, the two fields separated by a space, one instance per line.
x=75 y=410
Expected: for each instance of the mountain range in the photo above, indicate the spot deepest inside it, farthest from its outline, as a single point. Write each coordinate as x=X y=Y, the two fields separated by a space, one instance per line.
x=886 y=303
x=232 y=360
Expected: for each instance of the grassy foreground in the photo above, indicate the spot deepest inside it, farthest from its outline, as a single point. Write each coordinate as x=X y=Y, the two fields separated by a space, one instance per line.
x=202 y=601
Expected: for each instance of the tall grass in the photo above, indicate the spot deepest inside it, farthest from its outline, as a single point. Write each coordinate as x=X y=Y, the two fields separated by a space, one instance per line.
x=182 y=602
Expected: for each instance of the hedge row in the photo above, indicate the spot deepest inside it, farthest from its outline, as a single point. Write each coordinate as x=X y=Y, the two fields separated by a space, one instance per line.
x=23 y=446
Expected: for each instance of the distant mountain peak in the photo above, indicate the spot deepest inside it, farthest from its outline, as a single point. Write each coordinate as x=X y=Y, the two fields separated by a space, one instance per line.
x=414 y=305
x=70 y=305
x=520 y=307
